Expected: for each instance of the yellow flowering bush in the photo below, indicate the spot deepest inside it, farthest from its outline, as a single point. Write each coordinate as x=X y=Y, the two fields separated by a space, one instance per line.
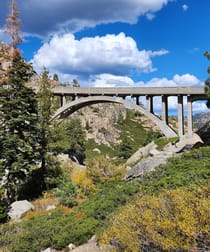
x=173 y=220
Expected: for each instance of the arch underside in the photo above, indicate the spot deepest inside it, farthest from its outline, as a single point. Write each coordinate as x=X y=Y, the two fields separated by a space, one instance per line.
x=75 y=105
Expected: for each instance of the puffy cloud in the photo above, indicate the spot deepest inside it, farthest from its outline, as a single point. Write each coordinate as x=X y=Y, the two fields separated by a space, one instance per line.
x=45 y=17
x=113 y=54
x=186 y=80
x=177 y=80
x=110 y=80
x=185 y=7
x=150 y=16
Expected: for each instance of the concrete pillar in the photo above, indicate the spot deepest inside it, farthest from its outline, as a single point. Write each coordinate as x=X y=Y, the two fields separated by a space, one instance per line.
x=60 y=98
x=189 y=115
x=137 y=100
x=165 y=109
x=63 y=102
x=180 y=116
x=149 y=103
x=74 y=97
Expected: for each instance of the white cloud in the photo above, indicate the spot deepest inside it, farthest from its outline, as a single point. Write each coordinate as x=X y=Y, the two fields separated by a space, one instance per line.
x=177 y=80
x=185 y=7
x=150 y=16
x=114 y=54
x=186 y=80
x=46 y=17
x=110 y=80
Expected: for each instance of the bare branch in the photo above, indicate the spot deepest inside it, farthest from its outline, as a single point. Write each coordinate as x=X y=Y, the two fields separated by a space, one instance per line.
x=12 y=26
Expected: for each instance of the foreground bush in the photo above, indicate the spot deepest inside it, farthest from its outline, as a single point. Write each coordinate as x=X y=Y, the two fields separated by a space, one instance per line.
x=171 y=204
x=57 y=229
x=175 y=220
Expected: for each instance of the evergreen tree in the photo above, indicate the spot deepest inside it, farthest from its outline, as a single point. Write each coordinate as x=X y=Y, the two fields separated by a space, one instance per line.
x=45 y=106
x=76 y=139
x=207 y=82
x=50 y=167
x=75 y=83
x=55 y=77
x=18 y=127
x=125 y=150
x=69 y=138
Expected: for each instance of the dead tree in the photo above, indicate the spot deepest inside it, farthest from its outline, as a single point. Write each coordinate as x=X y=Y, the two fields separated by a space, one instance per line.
x=12 y=27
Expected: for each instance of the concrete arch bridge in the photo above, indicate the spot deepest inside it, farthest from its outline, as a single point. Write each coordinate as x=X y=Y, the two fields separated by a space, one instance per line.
x=81 y=97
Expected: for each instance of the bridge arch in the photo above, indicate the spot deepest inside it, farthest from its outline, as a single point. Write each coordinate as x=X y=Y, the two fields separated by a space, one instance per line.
x=73 y=106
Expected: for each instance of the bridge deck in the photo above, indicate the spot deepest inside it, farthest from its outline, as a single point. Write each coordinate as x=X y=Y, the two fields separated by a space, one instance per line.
x=129 y=91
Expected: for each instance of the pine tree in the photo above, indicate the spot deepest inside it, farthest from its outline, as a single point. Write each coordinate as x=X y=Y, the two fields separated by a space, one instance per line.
x=46 y=109
x=125 y=150
x=207 y=82
x=18 y=117
x=18 y=128
x=76 y=139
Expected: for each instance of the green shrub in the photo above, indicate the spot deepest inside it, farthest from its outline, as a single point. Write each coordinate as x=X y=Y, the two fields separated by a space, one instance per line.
x=191 y=169
x=162 y=141
x=3 y=211
x=67 y=192
x=57 y=229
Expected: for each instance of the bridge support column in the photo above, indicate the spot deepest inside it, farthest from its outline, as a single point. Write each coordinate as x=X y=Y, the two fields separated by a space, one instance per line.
x=165 y=109
x=74 y=97
x=137 y=100
x=149 y=103
x=63 y=100
x=189 y=115
x=180 y=116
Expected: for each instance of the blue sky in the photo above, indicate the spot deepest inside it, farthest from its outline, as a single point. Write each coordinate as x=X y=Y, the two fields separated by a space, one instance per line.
x=117 y=43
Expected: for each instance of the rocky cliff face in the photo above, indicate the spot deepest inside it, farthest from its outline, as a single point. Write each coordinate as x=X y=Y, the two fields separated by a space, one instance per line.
x=100 y=121
x=204 y=133
x=201 y=119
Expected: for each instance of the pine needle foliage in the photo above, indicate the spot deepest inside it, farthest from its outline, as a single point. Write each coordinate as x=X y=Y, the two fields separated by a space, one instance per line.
x=18 y=127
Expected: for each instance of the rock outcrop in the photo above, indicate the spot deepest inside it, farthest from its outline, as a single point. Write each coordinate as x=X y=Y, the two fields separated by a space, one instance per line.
x=157 y=158
x=19 y=208
x=90 y=246
x=141 y=152
x=204 y=133
x=100 y=122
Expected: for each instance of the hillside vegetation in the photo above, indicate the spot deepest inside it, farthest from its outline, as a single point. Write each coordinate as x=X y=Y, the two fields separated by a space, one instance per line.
x=166 y=210
x=131 y=134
